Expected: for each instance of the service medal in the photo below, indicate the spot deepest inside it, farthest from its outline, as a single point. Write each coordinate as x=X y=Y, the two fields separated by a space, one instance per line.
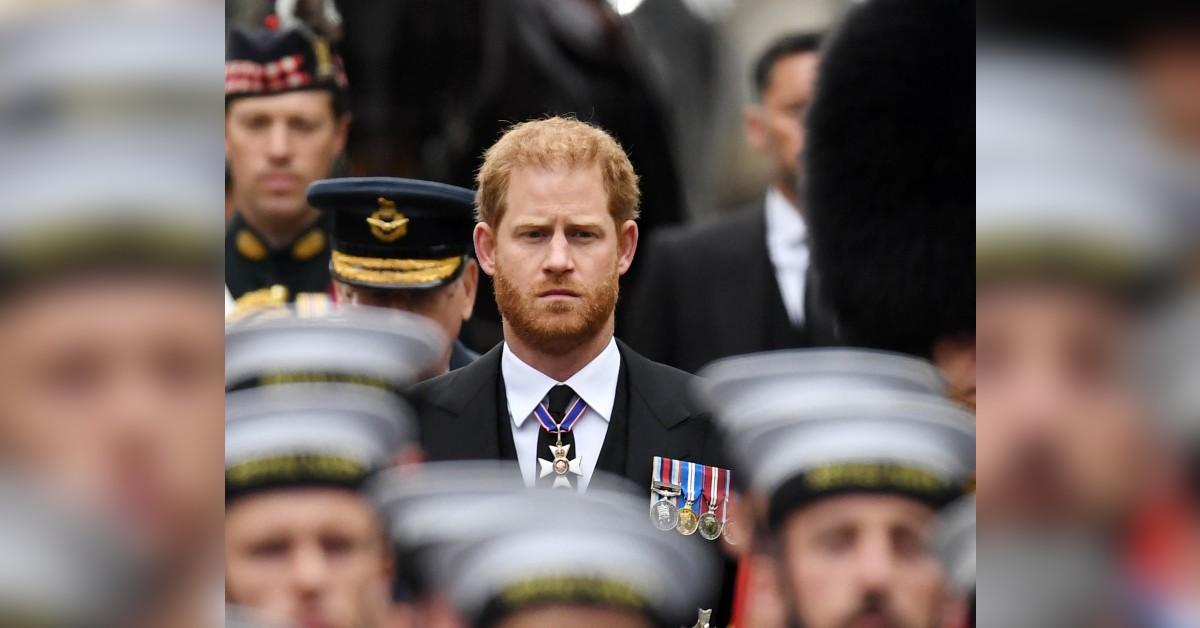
x=664 y=515
x=688 y=521
x=710 y=526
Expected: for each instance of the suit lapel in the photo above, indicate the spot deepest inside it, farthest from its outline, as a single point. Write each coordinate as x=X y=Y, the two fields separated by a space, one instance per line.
x=470 y=429
x=652 y=416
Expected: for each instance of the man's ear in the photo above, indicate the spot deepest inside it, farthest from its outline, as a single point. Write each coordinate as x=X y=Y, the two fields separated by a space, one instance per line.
x=955 y=358
x=627 y=240
x=342 y=133
x=470 y=286
x=485 y=247
x=755 y=124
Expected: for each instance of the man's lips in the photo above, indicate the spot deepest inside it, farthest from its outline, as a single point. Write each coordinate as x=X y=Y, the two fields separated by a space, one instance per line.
x=279 y=181
x=559 y=294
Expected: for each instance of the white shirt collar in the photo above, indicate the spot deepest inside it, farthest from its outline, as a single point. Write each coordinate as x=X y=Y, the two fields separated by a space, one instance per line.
x=785 y=224
x=595 y=383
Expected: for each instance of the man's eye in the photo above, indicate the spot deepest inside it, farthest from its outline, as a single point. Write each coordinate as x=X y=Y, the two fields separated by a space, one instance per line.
x=334 y=545
x=303 y=126
x=534 y=235
x=257 y=123
x=838 y=540
x=584 y=235
x=269 y=549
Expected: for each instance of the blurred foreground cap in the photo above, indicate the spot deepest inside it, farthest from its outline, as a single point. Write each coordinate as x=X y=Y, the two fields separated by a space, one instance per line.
x=396 y=233
x=358 y=344
x=322 y=434
x=821 y=431
x=596 y=548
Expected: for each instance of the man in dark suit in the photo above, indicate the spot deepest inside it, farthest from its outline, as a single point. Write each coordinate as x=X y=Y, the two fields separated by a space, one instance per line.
x=704 y=282
x=556 y=209
x=556 y=205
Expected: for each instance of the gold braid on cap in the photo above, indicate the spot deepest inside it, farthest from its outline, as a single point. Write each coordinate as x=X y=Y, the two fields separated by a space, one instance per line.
x=397 y=272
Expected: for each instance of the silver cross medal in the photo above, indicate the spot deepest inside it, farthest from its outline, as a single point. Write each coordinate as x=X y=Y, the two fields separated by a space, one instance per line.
x=561 y=465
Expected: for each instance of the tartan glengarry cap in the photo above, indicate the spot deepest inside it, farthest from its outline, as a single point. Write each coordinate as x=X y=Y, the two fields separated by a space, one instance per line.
x=263 y=62
x=396 y=233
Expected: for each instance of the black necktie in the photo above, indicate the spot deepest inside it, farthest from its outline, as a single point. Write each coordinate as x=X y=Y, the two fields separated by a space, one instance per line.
x=549 y=474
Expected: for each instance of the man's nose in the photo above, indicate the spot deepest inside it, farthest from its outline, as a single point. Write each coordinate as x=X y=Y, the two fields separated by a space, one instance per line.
x=310 y=570
x=558 y=259
x=279 y=143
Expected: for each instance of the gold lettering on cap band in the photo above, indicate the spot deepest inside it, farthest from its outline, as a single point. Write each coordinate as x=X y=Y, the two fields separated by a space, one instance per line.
x=395 y=272
x=840 y=476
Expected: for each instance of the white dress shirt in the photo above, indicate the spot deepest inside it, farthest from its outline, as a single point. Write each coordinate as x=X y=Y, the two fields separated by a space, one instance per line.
x=787 y=246
x=525 y=387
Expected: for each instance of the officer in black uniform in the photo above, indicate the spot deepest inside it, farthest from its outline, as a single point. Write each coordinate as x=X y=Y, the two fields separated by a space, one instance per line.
x=406 y=245
x=286 y=122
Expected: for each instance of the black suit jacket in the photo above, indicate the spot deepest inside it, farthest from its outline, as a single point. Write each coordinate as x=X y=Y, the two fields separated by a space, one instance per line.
x=458 y=418
x=708 y=291
x=458 y=415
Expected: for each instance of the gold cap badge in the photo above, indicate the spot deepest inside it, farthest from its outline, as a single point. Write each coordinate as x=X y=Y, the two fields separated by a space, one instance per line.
x=387 y=224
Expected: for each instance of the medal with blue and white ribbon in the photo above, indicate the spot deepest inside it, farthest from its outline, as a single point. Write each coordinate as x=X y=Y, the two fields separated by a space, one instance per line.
x=561 y=465
x=688 y=521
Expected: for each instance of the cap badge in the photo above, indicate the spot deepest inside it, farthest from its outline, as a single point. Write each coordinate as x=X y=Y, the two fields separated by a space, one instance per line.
x=387 y=224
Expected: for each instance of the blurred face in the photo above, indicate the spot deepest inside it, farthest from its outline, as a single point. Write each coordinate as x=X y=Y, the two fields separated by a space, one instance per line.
x=556 y=256
x=1058 y=420
x=573 y=615
x=775 y=126
x=115 y=388
x=448 y=305
x=312 y=557
x=862 y=561
x=277 y=145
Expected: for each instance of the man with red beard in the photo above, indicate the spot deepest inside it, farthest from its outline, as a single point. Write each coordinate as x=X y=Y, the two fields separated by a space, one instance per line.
x=557 y=204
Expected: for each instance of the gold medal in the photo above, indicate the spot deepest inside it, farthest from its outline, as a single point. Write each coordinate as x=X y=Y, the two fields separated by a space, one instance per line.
x=688 y=522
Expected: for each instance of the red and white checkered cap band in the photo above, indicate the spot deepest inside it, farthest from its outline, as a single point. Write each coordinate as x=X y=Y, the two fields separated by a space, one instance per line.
x=248 y=77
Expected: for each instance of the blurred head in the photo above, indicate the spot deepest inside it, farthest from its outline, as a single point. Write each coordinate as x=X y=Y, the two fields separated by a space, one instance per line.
x=447 y=305
x=114 y=386
x=557 y=202
x=783 y=84
x=1061 y=412
x=314 y=557
x=861 y=560
x=572 y=615
x=276 y=145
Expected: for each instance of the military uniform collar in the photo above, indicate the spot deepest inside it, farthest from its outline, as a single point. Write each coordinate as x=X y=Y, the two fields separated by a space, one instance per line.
x=253 y=247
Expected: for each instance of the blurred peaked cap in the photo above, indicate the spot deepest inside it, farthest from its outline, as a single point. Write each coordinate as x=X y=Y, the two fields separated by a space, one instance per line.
x=734 y=387
x=63 y=566
x=888 y=179
x=262 y=62
x=396 y=233
x=603 y=552
x=955 y=543
x=345 y=343
x=87 y=201
x=826 y=422
x=424 y=508
x=1069 y=183
x=312 y=433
